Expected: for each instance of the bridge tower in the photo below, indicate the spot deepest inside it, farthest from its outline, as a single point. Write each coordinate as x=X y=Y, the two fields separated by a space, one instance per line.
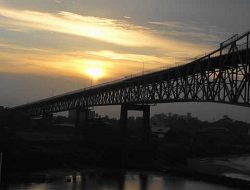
x=146 y=119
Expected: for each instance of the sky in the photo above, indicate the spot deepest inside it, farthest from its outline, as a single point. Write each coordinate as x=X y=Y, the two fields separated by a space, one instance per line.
x=48 y=47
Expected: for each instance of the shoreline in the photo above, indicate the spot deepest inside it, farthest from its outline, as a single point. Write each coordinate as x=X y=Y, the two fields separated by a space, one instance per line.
x=180 y=171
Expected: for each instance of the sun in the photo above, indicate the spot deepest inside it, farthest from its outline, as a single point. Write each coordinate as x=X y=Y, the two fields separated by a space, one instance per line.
x=94 y=73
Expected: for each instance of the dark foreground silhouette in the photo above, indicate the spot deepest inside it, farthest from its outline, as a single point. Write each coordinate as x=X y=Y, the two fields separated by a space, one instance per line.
x=102 y=146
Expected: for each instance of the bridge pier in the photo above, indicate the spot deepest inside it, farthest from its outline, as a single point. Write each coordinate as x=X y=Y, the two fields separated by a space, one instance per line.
x=47 y=120
x=146 y=120
x=81 y=116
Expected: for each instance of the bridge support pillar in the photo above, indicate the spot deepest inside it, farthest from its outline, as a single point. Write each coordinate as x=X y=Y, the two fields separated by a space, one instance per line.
x=81 y=119
x=47 y=120
x=146 y=120
x=123 y=121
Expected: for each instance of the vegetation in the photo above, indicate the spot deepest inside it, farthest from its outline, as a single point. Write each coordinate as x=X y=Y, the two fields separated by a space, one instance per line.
x=101 y=143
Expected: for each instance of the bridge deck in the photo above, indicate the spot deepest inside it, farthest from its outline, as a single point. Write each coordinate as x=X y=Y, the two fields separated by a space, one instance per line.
x=232 y=56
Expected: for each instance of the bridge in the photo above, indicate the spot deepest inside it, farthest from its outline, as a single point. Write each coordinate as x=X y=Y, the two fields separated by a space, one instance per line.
x=222 y=76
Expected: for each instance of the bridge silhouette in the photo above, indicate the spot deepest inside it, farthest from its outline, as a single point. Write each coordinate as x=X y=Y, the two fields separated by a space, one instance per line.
x=222 y=76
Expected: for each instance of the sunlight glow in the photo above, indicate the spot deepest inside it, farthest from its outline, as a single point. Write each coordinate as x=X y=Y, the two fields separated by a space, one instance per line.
x=94 y=73
x=105 y=61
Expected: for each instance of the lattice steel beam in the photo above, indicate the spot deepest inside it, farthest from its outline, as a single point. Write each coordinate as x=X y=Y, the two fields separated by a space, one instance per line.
x=223 y=76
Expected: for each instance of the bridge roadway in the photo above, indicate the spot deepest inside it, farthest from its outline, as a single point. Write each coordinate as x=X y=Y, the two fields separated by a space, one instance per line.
x=222 y=76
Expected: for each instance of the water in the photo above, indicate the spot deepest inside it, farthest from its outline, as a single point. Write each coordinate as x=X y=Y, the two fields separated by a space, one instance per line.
x=239 y=163
x=112 y=181
x=238 y=176
x=242 y=162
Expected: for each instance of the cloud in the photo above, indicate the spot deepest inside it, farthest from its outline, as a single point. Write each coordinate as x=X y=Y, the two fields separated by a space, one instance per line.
x=6 y=46
x=124 y=46
x=122 y=33
x=190 y=31
x=58 y=1
x=127 y=17
x=128 y=57
x=120 y=64
x=176 y=25
x=107 y=30
x=74 y=63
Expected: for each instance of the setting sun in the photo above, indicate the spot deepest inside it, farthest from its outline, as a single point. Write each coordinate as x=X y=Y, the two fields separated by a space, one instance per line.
x=95 y=73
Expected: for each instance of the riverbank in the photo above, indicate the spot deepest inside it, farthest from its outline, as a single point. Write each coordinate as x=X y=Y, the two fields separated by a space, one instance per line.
x=215 y=179
x=26 y=157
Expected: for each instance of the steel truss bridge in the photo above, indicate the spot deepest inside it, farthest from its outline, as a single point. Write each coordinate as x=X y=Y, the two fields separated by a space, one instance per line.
x=222 y=76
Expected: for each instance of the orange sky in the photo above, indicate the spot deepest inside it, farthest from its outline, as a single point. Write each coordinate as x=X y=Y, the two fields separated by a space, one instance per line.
x=161 y=50
x=49 y=47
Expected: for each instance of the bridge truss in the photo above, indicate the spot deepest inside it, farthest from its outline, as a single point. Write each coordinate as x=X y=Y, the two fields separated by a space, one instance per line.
x=223 y=76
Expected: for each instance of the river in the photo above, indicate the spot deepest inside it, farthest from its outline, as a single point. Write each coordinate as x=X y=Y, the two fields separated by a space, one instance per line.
x=240 y=163
x=104 y=180
x=234 y=166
